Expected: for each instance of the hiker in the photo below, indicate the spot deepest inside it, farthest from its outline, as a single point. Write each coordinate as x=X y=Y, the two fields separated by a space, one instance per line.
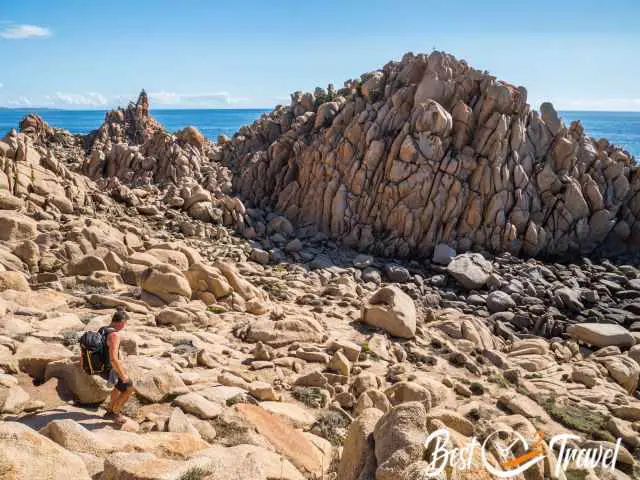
x=109 y=366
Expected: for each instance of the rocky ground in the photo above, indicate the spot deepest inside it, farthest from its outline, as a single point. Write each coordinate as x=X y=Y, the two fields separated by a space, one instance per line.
x=262 y=348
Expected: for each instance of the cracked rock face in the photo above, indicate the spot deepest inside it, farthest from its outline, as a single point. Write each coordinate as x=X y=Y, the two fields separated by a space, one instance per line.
x=430 y=150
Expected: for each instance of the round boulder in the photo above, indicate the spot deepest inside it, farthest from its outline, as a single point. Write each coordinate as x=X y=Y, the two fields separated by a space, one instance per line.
x=392 y=310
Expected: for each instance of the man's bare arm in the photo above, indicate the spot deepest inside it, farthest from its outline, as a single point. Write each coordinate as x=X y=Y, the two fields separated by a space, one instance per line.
x=113 y=341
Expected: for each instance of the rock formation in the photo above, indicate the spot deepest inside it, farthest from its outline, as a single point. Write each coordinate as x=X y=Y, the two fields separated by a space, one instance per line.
x=429 y=150
x=261 y=349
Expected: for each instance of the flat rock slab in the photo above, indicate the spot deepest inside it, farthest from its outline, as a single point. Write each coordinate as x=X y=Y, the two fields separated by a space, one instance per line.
x=89 y=418
x=220 y=393
x=164 y=444
x=198 y=405
x=602 y=334
x=291 y=413
x=286 y=440
x=247 y=462
x=146 y=466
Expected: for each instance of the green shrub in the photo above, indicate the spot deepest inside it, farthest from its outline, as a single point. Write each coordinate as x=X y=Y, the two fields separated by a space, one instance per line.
x=590 y=422
x=195 y=473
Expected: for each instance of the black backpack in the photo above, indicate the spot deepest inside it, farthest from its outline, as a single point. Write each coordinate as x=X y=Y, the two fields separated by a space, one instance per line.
x=95 y=351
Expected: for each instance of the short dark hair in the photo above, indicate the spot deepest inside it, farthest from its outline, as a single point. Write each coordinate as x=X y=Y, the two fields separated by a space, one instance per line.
x=120 y=315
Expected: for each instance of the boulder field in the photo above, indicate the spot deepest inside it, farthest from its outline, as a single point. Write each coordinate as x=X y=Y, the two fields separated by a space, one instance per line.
x=315 y=296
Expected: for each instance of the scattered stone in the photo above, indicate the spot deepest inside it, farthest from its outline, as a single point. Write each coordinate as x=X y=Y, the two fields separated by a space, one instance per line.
x=198 y=405
x=499 y=301
x=471 y=270
x=392 y=310
x=443 y=254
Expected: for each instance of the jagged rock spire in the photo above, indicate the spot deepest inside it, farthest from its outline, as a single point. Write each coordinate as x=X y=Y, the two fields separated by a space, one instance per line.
x=142 y=105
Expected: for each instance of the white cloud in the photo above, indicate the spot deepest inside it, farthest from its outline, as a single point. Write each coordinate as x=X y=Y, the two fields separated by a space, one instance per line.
x=91 y=99
x=19 y=102
x=162 y=99
x=200 y=100
x=19 y=32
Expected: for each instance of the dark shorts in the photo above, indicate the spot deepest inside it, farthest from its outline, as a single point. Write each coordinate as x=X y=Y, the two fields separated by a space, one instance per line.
x=113 y=379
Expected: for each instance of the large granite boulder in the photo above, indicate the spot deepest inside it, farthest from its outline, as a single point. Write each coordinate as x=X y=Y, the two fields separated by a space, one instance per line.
x=602 y=334
x=165 y=282
x=471 y=270
x=391 y=310
x=24 y=453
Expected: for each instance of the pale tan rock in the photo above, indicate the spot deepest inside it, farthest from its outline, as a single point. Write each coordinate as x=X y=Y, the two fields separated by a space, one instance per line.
x=372 y=399
x=392 y=310
x=164 y=444
x=29 y=252
x=204 y=278
x=624 y=370
x=178 y=422
x=351 y=350
x=399 y=438
x=14 y=281
x=27 y=454
x=154 y=381
x=145 y=466
x=471 y=270
x=601 y=334
x=248 y=461
x=166 y=282
x=33 y=357
x=358 y=457
x=286 y=441
x=15 y=227
x=340 y=363
x=86 y=389
x=263 y=391
x=85 y=265
x=403 y=392
x=452 y=420
x=170 y=257
x=113 y=262
x=292 y=413
x=283 y=332
x=75 y=438
x=13 y=399
x=198 y=405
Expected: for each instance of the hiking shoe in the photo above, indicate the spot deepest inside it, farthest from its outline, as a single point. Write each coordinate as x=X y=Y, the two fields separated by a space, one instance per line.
x=120 y=419
x=116 y=418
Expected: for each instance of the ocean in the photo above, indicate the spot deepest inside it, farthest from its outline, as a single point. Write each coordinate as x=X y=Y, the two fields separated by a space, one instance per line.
x=621 y=128
x=210 y=122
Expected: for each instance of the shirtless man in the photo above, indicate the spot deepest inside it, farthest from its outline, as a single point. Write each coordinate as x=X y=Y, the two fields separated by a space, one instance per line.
x=115 y=372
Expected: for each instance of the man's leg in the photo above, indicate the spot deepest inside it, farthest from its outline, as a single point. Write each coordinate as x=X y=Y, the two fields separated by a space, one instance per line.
x=115 y=395
x=121 y=398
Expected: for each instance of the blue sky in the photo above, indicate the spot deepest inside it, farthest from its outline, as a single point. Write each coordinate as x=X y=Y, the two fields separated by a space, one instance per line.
x=581 y=55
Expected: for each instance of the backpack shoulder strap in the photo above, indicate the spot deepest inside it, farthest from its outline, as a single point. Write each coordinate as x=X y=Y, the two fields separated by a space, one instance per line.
x=105 y=332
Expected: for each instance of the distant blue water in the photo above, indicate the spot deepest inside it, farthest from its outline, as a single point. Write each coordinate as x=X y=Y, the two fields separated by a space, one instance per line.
x=210 y=122
x=621 y=128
